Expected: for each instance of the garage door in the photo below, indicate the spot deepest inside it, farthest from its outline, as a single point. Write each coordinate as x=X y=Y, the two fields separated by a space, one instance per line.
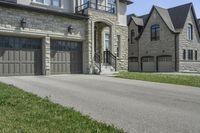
x=133 y=64
x=165 y=64
x=20 y=56
x=148 y=64
x=66 y=57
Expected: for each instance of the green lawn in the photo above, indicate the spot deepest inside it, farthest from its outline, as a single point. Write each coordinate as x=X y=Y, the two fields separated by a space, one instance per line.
x=162 y=78
x=22 y=112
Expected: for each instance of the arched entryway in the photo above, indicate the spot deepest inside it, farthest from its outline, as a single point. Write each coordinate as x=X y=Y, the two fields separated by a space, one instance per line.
x=103 y=44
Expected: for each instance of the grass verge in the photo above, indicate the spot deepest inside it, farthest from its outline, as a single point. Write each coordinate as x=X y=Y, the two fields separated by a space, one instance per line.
x=162 y=78
x=22 y=112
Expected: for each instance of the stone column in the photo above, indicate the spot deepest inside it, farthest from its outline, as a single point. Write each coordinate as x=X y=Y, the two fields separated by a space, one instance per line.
x=46 y=56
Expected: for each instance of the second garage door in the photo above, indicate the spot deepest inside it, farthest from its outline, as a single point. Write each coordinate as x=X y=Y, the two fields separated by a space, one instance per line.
x=165 y=64
x=148 y=64
x=66 y=57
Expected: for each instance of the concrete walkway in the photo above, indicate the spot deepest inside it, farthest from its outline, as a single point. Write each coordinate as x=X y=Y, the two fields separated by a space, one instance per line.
x=135 y=106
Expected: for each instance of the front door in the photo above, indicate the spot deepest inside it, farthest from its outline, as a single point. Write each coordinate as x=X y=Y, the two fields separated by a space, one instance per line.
x=107 y=42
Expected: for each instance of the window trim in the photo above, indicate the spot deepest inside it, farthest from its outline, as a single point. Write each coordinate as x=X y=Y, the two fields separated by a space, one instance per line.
x=189 y=32
x=155 y=32
x=184 y=54
x=105 y=39
x=196 y=55
x=132 y=36
x=190 y=54
x=51 y=3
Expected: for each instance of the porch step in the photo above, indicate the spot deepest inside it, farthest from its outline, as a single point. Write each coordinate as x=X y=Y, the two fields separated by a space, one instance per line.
x=107 y=70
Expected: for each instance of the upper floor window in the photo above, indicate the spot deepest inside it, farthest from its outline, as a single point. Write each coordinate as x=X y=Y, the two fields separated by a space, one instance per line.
x=111 y=5
x=132 y=36
x=56 y=3
x=190 y=32
x=155 y=32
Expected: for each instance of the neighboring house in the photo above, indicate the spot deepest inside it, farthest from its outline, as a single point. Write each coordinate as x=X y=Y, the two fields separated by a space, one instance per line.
x=42 y=37
x=165 y=40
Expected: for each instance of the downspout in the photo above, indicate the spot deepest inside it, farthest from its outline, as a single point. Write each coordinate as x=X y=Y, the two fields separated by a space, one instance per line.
x=175 y=56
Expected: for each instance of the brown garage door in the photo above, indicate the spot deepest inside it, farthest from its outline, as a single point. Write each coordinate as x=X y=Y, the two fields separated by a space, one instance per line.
x=20 y=56
x=66 y=57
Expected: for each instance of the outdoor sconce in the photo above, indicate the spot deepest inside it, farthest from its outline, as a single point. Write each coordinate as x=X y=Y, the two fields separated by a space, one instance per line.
x=23 y=23
x=70 y=29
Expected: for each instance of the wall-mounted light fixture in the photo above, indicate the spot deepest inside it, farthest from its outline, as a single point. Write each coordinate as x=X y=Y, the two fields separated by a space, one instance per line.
x=70 y=29
x=23 y=23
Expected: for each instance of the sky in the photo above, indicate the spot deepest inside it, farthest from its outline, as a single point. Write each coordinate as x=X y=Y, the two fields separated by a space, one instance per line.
x=141 y=7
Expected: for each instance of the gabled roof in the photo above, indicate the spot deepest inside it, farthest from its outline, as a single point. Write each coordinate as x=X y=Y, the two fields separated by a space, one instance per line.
x=138 y=21
x=174 y=18
x=179 y=15
x=166 y=17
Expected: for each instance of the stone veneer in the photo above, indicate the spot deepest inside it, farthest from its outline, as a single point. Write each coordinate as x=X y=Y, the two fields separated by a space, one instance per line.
x=46 y=27
x=111 y=21
x=164 y=46
x=189 y=65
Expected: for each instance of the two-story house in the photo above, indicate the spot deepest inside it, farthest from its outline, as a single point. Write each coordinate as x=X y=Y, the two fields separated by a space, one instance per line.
x=165 y=40
x=62 y=36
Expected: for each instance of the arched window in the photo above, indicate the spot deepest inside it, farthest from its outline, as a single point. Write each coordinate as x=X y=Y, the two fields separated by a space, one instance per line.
x=132 y=36
x=190 y=32
x=155 y=32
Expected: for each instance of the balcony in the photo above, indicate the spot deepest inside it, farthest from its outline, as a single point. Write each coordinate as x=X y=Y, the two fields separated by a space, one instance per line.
x=94 y=5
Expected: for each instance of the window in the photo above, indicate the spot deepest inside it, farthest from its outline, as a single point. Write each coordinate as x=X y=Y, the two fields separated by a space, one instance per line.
x=132 y=36
x=111 y=5
x=155 y=32
x=107 y=42
x=190 y=54
x=184 y=54
x=56 y=3
x=190 y=32
x=118 y=45
x=196 y=55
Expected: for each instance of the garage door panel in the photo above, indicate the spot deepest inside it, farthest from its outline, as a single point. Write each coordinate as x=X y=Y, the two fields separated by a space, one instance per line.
x=1 y=68
x=65 y=57
x=20 y=56
x=5 y=68
x=148 y=64
x=165 y=64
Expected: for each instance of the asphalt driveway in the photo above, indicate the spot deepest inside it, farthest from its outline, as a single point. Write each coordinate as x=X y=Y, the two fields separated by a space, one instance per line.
x=135 y=106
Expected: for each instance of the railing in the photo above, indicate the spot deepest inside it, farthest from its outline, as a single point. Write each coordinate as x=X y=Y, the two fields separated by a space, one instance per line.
x=89 y=4
x=97 y=59
x=110 y=59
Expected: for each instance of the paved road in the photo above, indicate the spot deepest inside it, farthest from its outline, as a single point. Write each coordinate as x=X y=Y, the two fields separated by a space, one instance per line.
x=135 y=106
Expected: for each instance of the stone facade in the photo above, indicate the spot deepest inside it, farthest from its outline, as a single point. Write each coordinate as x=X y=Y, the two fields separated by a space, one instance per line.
x=133 y=50
x=164 y=46
x=184 y=44
x=111 y=21
x=170 y=43
x=46 y=27
x=54 y=25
